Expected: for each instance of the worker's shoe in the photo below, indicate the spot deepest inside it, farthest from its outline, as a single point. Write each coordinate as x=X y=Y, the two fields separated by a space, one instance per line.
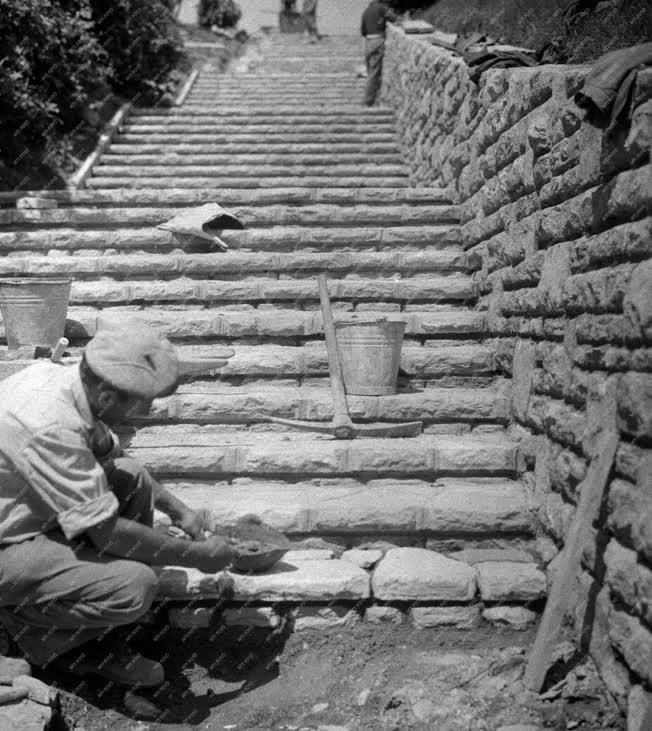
x=119 y=664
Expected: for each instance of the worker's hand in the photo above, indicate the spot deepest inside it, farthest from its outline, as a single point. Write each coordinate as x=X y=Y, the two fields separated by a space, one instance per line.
x=102 y=442
x=213 y=555
x=194 y=523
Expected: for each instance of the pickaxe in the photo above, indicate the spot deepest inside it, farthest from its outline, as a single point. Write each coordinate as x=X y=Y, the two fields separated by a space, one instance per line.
x=342 y=427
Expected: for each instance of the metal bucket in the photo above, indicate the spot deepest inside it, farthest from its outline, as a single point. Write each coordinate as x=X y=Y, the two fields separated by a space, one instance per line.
x=370 y=353
x=34 y=310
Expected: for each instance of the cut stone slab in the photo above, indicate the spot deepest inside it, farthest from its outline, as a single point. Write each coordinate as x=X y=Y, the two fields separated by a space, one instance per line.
x=311 y=580
x=463 y=617
x=384 y=615
x=321 y=618
x=365 y=559
x=474 y=556
x=305 y=581
x=373 y=507
x=509 y=581
x=409 y=574
x=516 y=617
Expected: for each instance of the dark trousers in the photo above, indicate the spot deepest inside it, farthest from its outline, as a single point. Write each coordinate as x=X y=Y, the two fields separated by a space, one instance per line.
x=374 y=50
x=56 y=595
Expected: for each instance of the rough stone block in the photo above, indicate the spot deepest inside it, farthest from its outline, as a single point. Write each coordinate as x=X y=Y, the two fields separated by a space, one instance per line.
x=460 y=617
x=639 y=709
x=634 y=398
x=510 y=581
x=634 y=642
x=629 y=509
x=422 y=575
x=384 y=615
x=629 y=578
x=515 y=617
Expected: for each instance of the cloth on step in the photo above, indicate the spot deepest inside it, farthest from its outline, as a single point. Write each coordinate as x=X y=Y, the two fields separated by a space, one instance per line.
x=57 y=594
x=374 y=52
x=480 y=62
x=607 y=90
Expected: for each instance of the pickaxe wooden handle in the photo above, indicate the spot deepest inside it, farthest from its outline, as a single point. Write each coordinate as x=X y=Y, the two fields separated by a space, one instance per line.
x=342 y=423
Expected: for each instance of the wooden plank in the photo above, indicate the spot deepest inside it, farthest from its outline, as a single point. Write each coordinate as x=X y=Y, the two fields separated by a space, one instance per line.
x=591 y=491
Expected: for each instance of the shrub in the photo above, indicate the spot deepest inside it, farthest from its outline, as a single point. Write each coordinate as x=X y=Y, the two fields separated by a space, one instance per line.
x=142 y=41
x=52 y=65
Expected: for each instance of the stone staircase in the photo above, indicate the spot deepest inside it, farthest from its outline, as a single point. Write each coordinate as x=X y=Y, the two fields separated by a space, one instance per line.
x=283 y=141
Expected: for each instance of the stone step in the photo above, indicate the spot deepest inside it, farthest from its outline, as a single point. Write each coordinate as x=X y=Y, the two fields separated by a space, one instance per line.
x=213 y=403
x=453 y=508
x=379 y=197
x=237 y=136
x=316 y=82
x=256 y=160
x=272 y=215
x=280 y=238
x=262 y=128
x=191 y=114
x=448 y=363
x=203 y=451
x=455 y=287
x=259 y=148
x=341 y=97
x=218 y=266
x=438 y=321
x=307 y=181
x=280 y=77
x=418 y=363
x=251 y=170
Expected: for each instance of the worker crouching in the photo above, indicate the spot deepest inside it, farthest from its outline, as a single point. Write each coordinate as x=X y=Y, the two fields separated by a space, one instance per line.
x=76 y=514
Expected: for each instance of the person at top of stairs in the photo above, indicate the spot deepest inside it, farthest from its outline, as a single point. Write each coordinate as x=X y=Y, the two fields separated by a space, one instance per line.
x=372 y=28
x=309 y=12
x=76 y=536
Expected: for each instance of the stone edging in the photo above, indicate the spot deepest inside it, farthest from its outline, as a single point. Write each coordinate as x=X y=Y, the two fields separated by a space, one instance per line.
x=185 y=89
x=79 y=178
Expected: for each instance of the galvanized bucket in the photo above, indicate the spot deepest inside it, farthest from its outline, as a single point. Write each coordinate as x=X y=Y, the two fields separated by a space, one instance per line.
x=34 y=310
x=370 y=352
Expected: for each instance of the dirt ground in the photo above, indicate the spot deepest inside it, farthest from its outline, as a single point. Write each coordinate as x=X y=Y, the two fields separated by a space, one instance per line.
x=362 y=678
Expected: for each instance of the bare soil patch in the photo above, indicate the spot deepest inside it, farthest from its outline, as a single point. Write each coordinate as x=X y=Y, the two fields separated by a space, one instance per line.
x=366 y=678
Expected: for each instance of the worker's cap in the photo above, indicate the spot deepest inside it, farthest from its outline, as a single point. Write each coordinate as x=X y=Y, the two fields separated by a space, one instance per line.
x=135 y=360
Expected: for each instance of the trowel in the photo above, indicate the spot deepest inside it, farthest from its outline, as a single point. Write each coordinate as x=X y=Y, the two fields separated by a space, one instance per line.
x=342 y=427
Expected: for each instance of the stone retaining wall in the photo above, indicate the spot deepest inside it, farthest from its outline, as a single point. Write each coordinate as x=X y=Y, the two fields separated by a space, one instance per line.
x=555 y=216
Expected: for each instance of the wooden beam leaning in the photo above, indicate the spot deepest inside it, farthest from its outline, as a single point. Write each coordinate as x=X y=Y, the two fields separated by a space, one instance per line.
x=591 y=490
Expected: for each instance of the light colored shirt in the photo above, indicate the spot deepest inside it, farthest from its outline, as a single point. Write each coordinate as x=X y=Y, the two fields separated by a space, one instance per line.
x=49 y=477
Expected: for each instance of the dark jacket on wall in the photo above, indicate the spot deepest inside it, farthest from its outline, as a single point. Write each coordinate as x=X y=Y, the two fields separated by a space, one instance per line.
x=375 y=18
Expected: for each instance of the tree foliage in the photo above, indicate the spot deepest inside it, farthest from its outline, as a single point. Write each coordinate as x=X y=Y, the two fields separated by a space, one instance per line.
x=60 y=57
